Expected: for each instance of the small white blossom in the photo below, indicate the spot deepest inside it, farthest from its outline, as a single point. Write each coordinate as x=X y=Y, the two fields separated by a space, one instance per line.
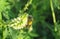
x=15 y=23
x=11 y=25
x=12 y=20
x=18 y=22
x=15 y=19
x=19 y=18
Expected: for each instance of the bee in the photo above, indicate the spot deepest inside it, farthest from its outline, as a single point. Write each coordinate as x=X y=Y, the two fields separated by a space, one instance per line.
x=30 y=19
x=29 y=23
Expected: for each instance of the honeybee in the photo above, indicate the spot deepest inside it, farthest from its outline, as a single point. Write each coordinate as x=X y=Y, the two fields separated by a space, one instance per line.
x=29 y=23
x=30 y=19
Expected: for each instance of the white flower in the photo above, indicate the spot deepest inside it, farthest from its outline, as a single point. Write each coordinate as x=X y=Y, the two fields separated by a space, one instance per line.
x=18 y=18
x=15 y=24
x=18 y=22
x=12 y=20
x=15 y=19
x=11 y=25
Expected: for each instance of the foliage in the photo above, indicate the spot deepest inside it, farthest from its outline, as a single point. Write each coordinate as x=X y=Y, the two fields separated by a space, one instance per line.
x=43 y=15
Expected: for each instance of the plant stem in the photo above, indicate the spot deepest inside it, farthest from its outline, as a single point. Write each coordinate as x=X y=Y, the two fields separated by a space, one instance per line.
x=53 y=15
x=27 y=5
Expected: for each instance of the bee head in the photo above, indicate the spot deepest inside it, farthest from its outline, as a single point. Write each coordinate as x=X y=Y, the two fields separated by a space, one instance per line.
x=30 y=17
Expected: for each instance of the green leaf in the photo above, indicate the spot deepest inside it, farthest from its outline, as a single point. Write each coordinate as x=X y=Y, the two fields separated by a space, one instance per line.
x=0 y=16
x=27 y=37
x=57 y=3
x=6 y=15
x=33 y=34
x=5 y=33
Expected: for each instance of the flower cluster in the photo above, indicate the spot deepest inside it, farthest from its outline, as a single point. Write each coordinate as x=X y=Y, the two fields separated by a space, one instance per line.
x=19 y=22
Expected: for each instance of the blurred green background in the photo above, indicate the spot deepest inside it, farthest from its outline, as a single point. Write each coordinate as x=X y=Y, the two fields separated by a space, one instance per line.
x=44 y=13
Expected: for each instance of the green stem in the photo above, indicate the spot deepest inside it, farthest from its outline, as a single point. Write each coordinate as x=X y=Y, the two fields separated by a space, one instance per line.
x=27 y=5
x=53 y=14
